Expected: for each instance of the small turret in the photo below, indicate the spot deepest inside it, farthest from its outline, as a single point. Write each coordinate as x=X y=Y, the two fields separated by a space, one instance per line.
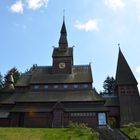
x=9 y=87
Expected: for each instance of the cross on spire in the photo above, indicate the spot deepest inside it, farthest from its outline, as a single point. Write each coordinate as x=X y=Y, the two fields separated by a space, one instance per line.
x=63 y=14
x=119 y=45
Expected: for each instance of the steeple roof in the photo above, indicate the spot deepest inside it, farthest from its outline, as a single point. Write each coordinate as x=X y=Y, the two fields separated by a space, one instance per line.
x=124 y=75
x=63 y=43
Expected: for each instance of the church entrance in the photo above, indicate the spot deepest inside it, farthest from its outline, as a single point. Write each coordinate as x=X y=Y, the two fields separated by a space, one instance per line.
x=21 y=120
x=101 y=118
x=57 y=118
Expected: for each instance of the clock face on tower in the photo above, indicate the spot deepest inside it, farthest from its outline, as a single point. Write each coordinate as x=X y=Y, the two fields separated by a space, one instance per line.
x=62 y=65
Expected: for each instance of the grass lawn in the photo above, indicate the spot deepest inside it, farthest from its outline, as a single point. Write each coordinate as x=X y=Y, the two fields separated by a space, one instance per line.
x=131 y=133
x=45 y=134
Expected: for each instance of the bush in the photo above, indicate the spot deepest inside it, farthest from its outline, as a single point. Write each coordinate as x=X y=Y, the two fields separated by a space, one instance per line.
x=83 y=129
x=130 y=127
x=112 y=122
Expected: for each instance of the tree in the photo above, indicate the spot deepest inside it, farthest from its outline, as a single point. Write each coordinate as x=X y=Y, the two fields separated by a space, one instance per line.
x=109 y=85
x=16 y=74
x=1 y=81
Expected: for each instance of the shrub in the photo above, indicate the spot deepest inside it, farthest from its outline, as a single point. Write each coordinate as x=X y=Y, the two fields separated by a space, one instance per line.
x=83 y=129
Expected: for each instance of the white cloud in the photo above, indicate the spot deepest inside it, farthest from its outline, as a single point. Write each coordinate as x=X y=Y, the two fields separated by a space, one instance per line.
x=36 y=4
x=115 y=4
x=17 y=7
x=138 y=69
x=90 y=25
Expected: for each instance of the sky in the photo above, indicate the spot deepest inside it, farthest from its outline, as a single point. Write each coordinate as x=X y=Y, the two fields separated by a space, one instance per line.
x=30 y=28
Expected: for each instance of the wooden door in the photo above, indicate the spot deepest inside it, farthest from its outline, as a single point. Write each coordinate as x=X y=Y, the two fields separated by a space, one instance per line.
x=57 y=118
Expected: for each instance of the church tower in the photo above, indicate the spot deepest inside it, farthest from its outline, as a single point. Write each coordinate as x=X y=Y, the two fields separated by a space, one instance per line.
x=128 y=94
x=63 y=55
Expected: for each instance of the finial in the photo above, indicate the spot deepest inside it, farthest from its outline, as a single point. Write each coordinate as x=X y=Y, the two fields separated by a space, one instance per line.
x=63 y=14
x=119 y=46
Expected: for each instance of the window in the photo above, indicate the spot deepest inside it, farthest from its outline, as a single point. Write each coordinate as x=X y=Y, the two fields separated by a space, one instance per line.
x=46 y=86
x=55 y=86
x=83 y=114
x=36 y=86
x=65 y=86
x=90 y=114
x=75 y=86
x=71 y=114
x=102 y=118
x=87 y=113
x=93 y=114
x=85 y=85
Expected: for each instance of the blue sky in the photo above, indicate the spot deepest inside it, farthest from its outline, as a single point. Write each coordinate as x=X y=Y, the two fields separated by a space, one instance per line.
x=29 y=29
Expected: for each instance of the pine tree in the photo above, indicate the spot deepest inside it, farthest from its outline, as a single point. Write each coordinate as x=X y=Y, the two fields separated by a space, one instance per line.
x=1 y=81
x=109 y=85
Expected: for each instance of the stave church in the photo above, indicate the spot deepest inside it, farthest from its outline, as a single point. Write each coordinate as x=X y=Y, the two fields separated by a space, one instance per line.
x=52 y=96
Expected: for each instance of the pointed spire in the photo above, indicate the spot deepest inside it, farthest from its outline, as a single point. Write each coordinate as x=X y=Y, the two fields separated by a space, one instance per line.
x=63 y=43
x=124 y=75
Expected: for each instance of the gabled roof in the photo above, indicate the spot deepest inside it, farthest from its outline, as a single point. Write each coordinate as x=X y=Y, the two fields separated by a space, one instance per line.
x=44 y=75
x=24 y=79
x=112 y=101
x=124 y=74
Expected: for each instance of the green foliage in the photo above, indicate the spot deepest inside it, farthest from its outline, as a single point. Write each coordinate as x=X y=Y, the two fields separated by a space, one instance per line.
x=130 y=127
x=131 y=130
x=82 y=129
x=112 y=122
x=42 y=134
x=109 y=85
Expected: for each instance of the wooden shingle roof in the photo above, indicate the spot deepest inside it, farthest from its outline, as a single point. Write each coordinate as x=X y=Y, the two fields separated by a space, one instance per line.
x=124 y=74
x=62 y=96
x=54 y=96
x=43 y=75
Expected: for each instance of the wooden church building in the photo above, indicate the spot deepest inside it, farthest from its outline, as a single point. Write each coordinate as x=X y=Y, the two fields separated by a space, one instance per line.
x=52 y=96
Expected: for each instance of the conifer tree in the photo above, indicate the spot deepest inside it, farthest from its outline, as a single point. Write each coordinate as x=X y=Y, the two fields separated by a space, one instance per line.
x=108 y=85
